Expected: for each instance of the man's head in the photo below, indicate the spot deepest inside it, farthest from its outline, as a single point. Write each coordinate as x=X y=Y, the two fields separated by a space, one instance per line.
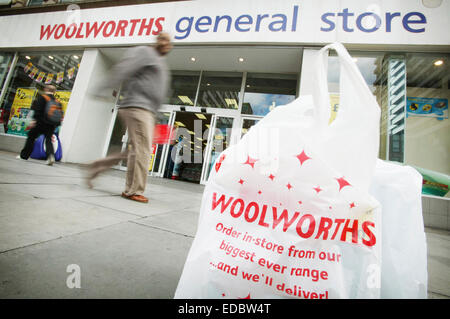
x=163 y=44
x=50 y=89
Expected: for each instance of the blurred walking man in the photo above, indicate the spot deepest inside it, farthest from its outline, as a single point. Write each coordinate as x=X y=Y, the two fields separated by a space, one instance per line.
x=145 y=80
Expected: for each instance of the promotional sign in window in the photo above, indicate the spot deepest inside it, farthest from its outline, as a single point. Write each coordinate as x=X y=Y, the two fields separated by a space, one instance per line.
x=19 y=118
x=427 y=107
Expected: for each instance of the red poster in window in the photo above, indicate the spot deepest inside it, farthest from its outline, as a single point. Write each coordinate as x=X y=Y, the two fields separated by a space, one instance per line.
x=163 y=134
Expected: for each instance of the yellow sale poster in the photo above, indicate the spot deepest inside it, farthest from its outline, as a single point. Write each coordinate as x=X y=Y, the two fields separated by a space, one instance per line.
x=18 y=118
x=59 y=77
x=63 y=98
x=49 y=78
x=33 y=73
x=40 y=77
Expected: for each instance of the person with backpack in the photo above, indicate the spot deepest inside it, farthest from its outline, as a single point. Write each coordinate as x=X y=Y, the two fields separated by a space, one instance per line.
x=48 y=115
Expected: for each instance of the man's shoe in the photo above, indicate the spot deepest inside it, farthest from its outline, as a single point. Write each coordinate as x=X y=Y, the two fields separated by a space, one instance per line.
x=50 y=160
x=137 y=198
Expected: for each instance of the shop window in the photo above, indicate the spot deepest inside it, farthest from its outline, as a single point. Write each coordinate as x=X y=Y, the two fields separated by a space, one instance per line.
x=263 y=92
x=30 y=74
x=220 y=89
x=183 y=88
x=412 y=90
x=5 y=64
x=427 y=137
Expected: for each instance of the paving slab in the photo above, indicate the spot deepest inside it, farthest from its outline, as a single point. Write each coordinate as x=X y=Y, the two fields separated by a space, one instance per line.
x=34 y=221
x=181 y=222
x=438 y=246
x=125 y=260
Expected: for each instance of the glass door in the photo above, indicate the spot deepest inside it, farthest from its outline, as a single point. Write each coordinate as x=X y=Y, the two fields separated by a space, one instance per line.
x=247 y=123
x=185 y=158
x=218 y=140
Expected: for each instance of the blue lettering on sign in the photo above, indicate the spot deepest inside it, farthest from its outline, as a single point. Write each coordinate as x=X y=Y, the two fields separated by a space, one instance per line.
x=346 y=20
x=243 y=23
x=409 y=21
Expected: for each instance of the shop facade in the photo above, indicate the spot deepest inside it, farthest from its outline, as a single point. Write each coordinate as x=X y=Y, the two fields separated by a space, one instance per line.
x=232 y=63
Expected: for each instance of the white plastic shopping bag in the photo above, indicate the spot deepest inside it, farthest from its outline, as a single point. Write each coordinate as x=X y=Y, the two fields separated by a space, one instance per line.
x=404 y=249
x=286 y=212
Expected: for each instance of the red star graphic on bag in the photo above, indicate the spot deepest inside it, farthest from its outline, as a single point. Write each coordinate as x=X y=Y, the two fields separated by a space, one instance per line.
x=219 y=162
x=289 y=186
x=251 y=161
x=271 y=176
x=318 y=189
x=342 y=183
x=352 y=205
x=241 y=181
x=302 y=157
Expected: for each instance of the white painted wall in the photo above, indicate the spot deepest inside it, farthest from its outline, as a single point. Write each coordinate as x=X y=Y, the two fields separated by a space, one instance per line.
x=84 y=131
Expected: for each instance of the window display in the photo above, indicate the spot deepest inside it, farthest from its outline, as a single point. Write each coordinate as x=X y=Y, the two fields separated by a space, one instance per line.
x=30 y=74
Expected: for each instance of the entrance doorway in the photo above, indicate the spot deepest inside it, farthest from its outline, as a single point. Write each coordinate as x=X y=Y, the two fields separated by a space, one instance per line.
x=186 y=157
x=201 y=136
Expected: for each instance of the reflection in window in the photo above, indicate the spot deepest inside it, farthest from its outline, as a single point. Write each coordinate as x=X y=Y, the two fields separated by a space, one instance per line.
x=183 y=88
x=220 y=89
x=263 y=92
x=369 y=66
x=427 y=136
x=31 y=73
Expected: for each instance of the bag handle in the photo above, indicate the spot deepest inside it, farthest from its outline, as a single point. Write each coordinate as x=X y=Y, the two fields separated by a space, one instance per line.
x=354 y=134
x=347 y=68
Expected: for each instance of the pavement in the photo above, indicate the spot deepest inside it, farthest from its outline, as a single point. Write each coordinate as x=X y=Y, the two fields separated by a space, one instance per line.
x=55 y=233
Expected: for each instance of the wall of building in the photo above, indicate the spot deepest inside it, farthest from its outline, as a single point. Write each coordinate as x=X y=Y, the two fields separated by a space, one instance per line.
x=85 y=128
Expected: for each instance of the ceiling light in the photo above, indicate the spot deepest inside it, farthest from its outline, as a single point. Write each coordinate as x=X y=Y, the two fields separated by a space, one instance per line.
x=192 y=59
x=50 y=57
x=185 y=99
x=248 y=85
x=27 y=57
x=438 y=62
x=180 y=124
x=241 y=59
x=231 y=102
x=200 y=139
x=208 y=84
x=355 y=59
x=200 y=116
x=190 y=132
x=76 y=57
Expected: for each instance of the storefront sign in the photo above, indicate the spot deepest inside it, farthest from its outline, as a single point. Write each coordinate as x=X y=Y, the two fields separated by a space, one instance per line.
x=427 y=107
x=234 y=21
